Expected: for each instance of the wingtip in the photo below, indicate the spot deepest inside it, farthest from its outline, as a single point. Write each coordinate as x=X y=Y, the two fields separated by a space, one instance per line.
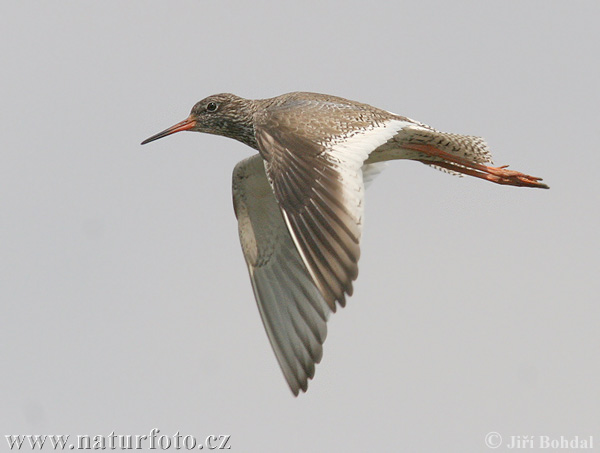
x=296 y=389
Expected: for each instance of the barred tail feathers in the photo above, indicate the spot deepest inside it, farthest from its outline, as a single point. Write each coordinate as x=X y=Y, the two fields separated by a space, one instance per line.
x=469 y=147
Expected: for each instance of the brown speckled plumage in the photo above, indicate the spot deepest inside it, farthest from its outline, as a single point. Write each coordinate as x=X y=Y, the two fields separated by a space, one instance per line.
x=299 y=202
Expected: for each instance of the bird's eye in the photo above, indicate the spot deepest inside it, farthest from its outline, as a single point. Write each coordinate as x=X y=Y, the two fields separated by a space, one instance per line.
x=211 y=106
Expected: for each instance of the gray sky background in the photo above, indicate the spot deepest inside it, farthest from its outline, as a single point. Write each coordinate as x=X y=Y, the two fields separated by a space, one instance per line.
x=125 y=298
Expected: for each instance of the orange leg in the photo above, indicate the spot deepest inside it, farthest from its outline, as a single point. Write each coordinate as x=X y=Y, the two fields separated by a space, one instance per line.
x=499 y=175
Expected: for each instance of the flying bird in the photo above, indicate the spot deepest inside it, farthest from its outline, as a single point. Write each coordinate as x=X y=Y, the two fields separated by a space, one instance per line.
x=299 y=201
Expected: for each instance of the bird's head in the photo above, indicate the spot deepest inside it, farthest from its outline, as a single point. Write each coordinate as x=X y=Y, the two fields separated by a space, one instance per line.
x=220 y=114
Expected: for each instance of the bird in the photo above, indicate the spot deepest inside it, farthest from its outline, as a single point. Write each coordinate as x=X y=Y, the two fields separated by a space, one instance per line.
x=299 y=201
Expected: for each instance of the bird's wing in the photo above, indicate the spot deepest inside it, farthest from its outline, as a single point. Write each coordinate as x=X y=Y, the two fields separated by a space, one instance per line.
x=319 y=187
x=292 y=309
x=371 y=171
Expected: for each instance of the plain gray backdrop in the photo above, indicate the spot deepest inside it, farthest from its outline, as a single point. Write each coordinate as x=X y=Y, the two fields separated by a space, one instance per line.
x=126 y=303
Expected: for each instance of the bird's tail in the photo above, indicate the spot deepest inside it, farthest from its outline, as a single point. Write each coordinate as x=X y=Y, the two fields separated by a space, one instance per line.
x=462 y=155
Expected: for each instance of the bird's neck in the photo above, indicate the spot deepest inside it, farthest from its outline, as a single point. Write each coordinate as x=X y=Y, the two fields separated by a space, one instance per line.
x=242 y=129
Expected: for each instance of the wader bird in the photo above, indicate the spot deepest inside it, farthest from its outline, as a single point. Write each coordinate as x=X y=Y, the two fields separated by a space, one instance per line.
x=299 y=201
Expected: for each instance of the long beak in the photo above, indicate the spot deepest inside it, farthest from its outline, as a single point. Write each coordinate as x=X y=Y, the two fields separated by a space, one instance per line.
x=185 y=125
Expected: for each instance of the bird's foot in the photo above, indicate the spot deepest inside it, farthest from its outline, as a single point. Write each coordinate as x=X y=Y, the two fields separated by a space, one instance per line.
x=498 y=175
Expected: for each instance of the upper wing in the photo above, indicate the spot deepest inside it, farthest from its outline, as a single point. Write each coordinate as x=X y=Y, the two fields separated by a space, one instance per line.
x=292 y=309
x=319 y=188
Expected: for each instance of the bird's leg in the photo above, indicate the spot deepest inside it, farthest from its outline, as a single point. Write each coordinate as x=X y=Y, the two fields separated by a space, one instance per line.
x=498 y=175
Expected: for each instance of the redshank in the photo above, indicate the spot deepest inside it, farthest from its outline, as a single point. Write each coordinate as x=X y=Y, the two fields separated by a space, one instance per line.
x=299 y=202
